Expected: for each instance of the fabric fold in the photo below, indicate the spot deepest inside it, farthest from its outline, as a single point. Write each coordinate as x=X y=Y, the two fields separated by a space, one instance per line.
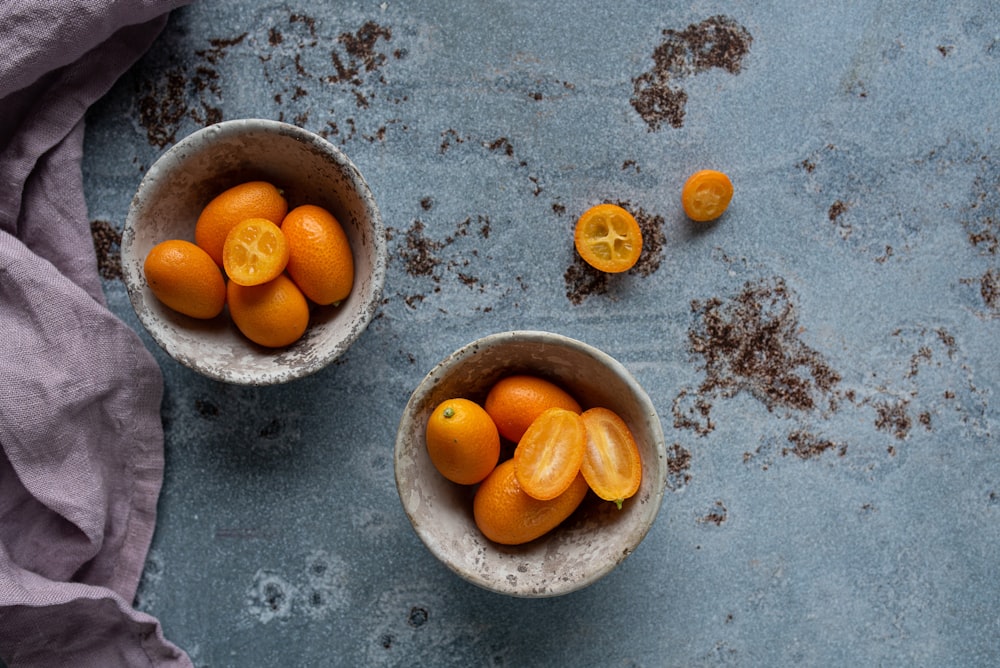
x=81 y=439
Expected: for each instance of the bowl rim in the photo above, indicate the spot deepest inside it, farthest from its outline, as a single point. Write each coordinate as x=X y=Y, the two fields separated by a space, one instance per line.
x=455 y=359
x=311 y=363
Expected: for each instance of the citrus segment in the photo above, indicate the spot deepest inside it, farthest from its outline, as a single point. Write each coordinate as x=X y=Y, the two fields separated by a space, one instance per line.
x=255 y=252
x=185 y=278
x=320 y=260
x=507 y=515
x=462 y=441
x=254 y=199
x=515 y=401
x=549 y=455
x=608 y=238
x=611 y=463
x=272 y=314
x=706 y=195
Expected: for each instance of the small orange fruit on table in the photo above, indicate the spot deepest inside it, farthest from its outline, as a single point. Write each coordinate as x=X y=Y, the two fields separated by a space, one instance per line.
x=506 y=514
x=608 y=238
x=706 y=195
x=255 y=252
x=549 y=455
x=462 y=441
x=319 y=254
x=185 y=278
x=611 y=462
x=515 y=401
x=254 y=199
x=272 y=314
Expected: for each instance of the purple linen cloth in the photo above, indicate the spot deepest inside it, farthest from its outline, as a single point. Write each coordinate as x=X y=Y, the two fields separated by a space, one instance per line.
x=81 y=442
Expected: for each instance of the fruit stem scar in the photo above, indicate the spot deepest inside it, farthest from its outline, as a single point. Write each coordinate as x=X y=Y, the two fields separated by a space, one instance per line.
x=449 y=412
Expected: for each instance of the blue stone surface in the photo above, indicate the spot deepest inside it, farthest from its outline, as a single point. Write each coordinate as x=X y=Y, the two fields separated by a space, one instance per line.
x=823 y=357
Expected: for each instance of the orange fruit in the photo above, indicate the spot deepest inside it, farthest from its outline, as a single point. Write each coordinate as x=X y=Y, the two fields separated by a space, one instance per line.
x=254 y=199
x=462 y=441
x=611 y=463
x=185 y=278
x=507 y=515
x=549 y=455
x=515 y=401
x=320 y=259
x=608 y=238
x=255 y=252
x=272 y=314
x=706 y=195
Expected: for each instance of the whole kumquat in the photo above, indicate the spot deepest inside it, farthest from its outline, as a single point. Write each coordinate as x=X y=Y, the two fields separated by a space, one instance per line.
x=462 y=441
x=320 y=260
x=254 y=199
x=549 y=455
x=185 y=278
x=611 y=463
x=608 y=238
x=509 y=516
x=273 y=314
x=515 y=401
x=706 y=195
x=255 y=252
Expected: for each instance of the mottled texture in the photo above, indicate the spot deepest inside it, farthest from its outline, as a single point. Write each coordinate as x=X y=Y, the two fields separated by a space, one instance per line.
x=832 y=495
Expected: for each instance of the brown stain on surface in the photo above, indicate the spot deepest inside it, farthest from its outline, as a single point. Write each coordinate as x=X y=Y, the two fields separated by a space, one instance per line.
x=583 y=281
x=718 y=42
x=107 y=245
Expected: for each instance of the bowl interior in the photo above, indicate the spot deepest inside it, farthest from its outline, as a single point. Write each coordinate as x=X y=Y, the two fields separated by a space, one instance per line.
x=592 y=541
x=310 y=171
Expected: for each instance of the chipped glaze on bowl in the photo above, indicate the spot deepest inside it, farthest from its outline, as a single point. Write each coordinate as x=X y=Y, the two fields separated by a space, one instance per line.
x=595 y=539
x=309 y=170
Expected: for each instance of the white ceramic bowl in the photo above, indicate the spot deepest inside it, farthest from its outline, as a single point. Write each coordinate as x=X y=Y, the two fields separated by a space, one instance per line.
x=309 y=170
x=597 y=537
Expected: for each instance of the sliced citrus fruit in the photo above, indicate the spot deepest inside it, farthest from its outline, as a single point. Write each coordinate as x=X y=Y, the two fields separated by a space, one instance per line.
x=706 y=195
x=549 y=455
x=255 y=252
x=254 y=199
x=611 y=463
x=608 y=238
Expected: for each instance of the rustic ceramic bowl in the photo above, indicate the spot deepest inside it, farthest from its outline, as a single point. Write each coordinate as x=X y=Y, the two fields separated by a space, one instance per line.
x=597 y=537
x=309 y=170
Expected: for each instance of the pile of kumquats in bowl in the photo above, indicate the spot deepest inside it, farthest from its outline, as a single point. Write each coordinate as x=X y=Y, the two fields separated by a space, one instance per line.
x=529 y=463
x=254 y=252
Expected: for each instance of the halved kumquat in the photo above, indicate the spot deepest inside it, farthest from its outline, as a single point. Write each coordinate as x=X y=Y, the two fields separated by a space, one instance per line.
x=608 y=238
x=611 y=462
x=706 y=195
x=255 y=252
x=549 y=455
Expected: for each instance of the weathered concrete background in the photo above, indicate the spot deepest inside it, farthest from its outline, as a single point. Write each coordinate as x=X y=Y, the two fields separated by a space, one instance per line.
x=823 y=358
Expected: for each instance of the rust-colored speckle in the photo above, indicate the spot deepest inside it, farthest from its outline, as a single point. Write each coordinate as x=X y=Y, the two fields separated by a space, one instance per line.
x=107 y=245
x=716 y=42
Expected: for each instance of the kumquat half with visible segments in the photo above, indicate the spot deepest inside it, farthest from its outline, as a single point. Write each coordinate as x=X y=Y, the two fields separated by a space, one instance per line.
x=255 y=252
x=611 y=462
x=706 y=195
x=608 y=238
x=253 y=199
x=509 y=516
x=550 y=454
